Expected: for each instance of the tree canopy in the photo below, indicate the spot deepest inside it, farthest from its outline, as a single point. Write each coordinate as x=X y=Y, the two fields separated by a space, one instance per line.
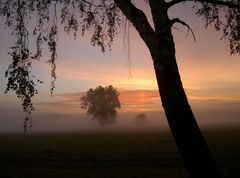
x=102 y=104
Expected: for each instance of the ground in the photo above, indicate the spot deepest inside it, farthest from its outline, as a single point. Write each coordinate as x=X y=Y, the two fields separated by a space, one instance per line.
x=101 y=154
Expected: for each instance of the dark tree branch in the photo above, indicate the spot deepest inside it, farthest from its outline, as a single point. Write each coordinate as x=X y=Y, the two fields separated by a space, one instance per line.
x=87 y=2
x=92 y=4
x=159 y=15
x=139 y=21
x=215 y=2
x=177 y=20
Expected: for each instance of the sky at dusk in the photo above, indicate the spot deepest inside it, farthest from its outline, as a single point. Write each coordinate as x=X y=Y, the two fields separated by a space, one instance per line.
x=211 y=78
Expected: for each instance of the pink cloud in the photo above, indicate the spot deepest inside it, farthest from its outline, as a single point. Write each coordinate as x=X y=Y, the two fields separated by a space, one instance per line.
x=131 y=100
x=138 y=97
x=72 y=96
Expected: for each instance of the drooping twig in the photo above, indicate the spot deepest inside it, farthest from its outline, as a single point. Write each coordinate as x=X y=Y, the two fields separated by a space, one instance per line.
x=177 y=20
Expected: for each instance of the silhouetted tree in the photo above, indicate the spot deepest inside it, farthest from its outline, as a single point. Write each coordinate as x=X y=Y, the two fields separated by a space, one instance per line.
x=141 y=119
x=103 y=18
x=102 y=103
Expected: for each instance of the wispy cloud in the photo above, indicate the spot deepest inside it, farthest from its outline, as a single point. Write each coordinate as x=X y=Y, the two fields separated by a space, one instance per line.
x=73 y=96
x=138 y=97
x=224 y=91
x=131 y=100
x=149 y=100
x=127 y=97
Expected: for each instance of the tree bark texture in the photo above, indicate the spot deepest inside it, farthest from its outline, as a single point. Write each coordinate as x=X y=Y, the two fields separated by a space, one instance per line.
x=184 y=128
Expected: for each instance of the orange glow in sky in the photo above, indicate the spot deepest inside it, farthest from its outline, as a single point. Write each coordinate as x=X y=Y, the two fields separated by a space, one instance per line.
x=209 y=74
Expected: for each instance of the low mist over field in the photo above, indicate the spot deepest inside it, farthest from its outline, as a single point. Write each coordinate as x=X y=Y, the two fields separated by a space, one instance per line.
x=53 y=122
x=62 y=112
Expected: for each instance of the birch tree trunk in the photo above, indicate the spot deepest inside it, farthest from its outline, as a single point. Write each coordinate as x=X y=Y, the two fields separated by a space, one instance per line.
x=183 y=125
x=184 y=128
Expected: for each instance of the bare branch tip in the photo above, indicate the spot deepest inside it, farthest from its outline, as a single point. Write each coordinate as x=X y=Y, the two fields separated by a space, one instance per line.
x=177 y=20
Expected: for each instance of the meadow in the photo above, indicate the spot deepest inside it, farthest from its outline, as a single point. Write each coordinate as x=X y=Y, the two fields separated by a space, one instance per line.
x=106 y=154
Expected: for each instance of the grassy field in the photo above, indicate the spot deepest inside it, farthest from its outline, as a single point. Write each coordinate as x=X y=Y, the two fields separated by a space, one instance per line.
x=109 y=154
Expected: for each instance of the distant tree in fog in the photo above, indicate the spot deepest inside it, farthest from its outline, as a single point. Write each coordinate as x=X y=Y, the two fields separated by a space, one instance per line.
x=102 y=103
x=141 y=119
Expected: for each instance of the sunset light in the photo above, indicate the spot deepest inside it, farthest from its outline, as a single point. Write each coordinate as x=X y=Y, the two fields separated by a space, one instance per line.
x=206 y=75
x=119 y=88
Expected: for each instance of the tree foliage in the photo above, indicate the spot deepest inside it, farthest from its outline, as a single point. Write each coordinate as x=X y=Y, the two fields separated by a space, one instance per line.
x=102 y=103
x=225 y=19
x=38 y=22
x=102 y=19
x=141 y=119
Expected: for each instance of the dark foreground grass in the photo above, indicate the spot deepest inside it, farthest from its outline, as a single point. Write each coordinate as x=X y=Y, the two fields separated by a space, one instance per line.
x=109 y=154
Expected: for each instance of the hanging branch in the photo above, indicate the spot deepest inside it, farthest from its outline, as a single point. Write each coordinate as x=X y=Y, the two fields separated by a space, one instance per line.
x=20 y=78
x=177 y=20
